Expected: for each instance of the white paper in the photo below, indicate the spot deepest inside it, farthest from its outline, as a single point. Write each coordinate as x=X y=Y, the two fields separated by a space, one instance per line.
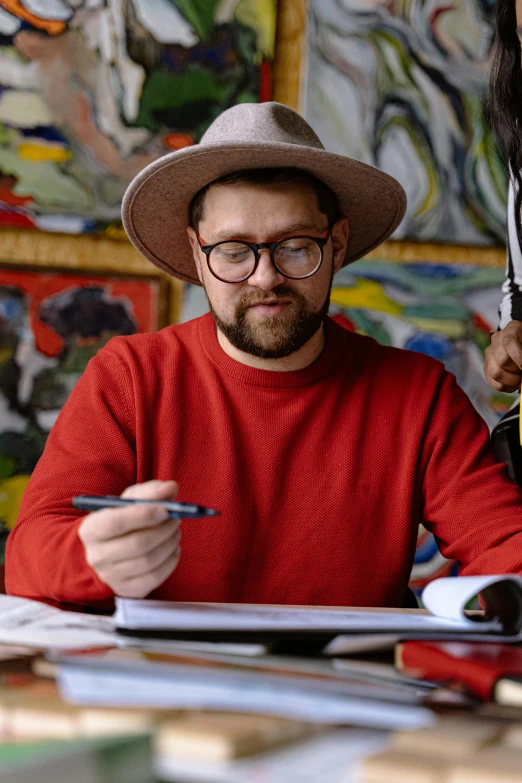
x=90 y=685
x=38 y=625
x=447 y=597
x=164 y=615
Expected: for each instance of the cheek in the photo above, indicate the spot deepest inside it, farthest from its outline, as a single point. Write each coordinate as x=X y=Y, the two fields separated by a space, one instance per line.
x=221 y=299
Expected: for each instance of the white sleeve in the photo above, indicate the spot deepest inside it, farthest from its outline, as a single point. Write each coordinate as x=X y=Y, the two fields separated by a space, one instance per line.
x=511 y=305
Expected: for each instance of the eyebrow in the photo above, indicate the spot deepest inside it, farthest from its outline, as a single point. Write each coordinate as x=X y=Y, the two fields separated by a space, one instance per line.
x=285 y=231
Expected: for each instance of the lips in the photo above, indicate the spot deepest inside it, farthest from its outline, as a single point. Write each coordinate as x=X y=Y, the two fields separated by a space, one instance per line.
x=271 y=303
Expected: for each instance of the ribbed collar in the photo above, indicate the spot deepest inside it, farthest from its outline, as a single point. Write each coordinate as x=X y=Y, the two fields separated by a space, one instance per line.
x=335 y=345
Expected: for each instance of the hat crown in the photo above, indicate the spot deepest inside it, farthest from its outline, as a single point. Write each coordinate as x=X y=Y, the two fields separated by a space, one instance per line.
x=261 y=123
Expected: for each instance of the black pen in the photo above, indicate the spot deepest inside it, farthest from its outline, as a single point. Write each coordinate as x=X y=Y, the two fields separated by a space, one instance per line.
x=176 y=510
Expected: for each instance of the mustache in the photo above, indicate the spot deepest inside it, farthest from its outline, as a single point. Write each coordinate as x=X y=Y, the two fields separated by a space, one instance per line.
x=247 y=300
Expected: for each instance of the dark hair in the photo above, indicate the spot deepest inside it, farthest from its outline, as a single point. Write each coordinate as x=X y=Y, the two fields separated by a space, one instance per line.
x=326 y=199
x=505 y=97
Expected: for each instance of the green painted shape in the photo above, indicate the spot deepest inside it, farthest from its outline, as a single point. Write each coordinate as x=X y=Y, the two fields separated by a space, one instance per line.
x=7 y=466
x=5 y=135
x=164 y=90
x=445 y=311
x=368 y=326
x=199 y=13
x=45 y=182
x=470 y=278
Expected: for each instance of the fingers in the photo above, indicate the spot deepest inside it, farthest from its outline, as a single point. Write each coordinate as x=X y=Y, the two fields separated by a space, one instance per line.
x=113 y=523
x=144 y=565
x=141 y=586
x=133 y=545
x=152 y=490
x=135 y=548
x=503 y=360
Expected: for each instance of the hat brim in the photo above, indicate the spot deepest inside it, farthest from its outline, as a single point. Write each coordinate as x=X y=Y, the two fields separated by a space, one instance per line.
x=155 y=208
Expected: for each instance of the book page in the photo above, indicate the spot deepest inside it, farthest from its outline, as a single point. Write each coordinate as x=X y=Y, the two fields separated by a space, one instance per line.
x=36 y=624
x=164 y=615
x=447 y=597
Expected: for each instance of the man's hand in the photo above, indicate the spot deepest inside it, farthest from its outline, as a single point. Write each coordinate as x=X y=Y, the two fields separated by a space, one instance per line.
x=503 y=364
x=134 y=549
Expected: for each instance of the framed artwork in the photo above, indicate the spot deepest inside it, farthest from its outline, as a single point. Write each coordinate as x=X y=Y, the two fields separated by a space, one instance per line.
x=94 y=90
x=402 y=86
x=51 y=323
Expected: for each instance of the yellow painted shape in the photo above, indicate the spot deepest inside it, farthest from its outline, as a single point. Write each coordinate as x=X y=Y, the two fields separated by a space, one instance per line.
x=39 y=152
x=6 y=354
x=260 y=15
x=11 y=491
x=449 y=327
x=367 y=294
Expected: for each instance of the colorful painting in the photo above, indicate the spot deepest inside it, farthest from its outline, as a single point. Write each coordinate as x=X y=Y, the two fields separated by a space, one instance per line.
x=401 y=85
x=91 y=91
x=444 y=310
x=51 y=324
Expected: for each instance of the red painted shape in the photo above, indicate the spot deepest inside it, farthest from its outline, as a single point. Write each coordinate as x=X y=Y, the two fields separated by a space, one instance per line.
x=265 y=81
x=343 y=321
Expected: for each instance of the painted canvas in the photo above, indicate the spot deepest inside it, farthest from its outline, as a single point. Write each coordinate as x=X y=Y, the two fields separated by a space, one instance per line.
x=401 y=85
x=51 y=324
x=444 y=310
x=91 y=91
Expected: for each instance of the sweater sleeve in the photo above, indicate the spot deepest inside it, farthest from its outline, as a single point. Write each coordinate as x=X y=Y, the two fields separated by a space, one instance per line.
x=470 y=504
x=90 y=450
x=511 y=304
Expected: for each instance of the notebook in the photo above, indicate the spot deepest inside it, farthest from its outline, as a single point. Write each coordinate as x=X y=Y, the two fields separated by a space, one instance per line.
x=445 y=601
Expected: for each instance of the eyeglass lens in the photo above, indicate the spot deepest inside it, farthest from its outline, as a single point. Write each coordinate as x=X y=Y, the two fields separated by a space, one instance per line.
x=296 y=257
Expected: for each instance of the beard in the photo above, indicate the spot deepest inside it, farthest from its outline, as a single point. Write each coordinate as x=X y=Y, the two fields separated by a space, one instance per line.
x=273 y=337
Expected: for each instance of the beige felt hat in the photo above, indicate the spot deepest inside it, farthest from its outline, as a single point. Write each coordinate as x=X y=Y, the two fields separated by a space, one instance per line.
x=156 y=204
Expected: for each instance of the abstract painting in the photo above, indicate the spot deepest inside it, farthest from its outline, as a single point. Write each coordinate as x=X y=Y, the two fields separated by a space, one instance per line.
x=444 y=310
x=51 y=324
x=401 y=85
x=91 y=91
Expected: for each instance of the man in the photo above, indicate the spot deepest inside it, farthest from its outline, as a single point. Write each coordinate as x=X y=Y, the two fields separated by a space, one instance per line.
x=322 y=450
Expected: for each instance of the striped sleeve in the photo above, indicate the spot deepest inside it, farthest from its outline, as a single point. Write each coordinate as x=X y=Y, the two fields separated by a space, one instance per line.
x=511 y=305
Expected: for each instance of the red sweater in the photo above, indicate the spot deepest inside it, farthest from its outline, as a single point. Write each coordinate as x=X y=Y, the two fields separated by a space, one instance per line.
x=322 y=475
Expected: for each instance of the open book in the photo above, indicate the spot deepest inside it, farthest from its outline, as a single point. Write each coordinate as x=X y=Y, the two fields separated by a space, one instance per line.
x=445 y=616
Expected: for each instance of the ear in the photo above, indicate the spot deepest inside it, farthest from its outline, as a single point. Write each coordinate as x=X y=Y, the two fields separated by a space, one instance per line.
x=196 y=250
x=340 y=234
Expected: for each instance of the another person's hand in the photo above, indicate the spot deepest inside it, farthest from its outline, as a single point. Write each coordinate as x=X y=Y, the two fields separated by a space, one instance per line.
x=133 y=549
x=503 y=363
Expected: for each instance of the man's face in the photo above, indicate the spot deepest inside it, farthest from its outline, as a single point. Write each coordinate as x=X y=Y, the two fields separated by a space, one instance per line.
x=267 y=315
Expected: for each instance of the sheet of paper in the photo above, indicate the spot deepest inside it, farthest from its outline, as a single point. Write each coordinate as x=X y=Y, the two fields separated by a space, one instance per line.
x=38 y=625
x=253 y=694
x=143 y=615
x=447 y=597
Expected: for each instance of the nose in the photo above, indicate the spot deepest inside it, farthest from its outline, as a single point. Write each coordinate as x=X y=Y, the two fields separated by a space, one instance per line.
x=265 y=276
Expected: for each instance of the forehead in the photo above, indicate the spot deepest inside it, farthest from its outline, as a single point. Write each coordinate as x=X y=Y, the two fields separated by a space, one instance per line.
x=518 y=9
x=249 y=201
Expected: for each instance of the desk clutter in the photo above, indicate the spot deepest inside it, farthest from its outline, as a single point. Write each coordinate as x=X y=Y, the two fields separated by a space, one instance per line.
x=293 y=694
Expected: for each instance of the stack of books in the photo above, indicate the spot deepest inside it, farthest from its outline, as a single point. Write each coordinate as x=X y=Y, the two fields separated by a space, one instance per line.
x=229 y=692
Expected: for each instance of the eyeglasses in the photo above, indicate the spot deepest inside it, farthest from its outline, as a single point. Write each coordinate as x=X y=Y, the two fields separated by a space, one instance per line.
x=232 y=261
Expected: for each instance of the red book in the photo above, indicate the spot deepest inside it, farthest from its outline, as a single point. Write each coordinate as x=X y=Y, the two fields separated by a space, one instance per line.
x=492 y=672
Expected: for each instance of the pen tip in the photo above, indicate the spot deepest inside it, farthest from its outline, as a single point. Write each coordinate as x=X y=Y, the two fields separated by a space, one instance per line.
x=211 y=512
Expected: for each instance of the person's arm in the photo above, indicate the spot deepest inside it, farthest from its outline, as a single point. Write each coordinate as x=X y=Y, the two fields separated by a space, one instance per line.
x=503 y=361
x=90 y=450
x=470 y=504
